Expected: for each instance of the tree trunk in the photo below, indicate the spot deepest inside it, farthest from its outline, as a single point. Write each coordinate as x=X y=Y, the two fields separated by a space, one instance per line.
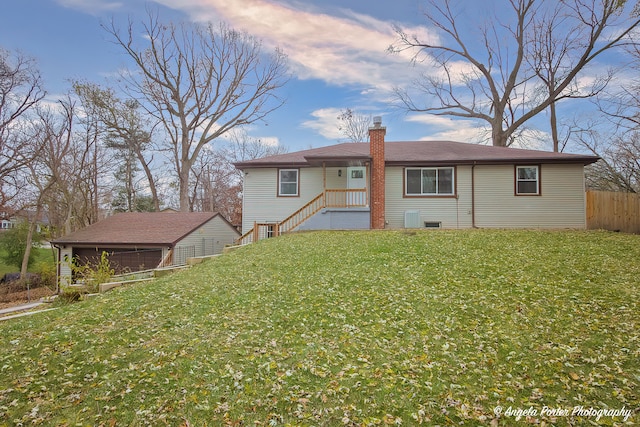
x=184 y=187
x=554 y=127
x=499 y=136
x=152 y=184
x=27 y=250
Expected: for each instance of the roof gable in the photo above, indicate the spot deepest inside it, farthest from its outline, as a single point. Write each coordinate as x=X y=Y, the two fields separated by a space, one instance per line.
x=140 y=228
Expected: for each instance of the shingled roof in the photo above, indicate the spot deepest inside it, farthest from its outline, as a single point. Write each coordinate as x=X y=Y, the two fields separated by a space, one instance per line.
x=424 y=153
x=139 y=228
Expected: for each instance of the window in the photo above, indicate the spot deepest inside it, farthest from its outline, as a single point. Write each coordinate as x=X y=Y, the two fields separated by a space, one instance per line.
x=429 y=181
x=527 y=180
x=357 y=174
x=288 y=182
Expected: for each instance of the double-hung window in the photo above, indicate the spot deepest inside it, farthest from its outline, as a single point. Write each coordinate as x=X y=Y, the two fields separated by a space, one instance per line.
x=288 y=182
x=430 y=181
x=527 y=180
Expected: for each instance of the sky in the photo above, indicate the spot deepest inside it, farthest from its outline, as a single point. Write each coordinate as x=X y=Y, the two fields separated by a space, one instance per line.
x=337 y=52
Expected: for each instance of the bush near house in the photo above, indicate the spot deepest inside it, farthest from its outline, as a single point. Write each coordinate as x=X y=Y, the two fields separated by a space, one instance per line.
x=346 y=328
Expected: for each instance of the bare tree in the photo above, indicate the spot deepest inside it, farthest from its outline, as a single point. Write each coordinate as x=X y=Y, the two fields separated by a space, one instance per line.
x=88 y=162
x=217 y=184
x=125 y=128
x=619 y=166
x=51 y=133
x=199 y=82
x=551 y=58
x=243 y=147
x=215 y=187
x=353 y=125
x=20 y=91
x=501 y=83
x=78 y=167
x=618 y=145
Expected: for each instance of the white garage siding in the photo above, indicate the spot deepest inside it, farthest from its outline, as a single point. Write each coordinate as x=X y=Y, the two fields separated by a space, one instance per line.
x=211 y=238
x=560 y=205
x=66 y=255
x=452 y=212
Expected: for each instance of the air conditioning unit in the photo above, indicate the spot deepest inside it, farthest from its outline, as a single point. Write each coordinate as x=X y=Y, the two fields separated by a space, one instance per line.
x=412 y=219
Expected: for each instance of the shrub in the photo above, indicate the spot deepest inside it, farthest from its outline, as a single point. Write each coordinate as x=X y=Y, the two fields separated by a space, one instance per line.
x=94 y=275
x=68 y=296
x=47 y=272
x=14 y=244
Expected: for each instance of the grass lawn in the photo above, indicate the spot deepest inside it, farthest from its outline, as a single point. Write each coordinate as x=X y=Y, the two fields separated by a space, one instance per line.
x=346 y=328
x=40 y=256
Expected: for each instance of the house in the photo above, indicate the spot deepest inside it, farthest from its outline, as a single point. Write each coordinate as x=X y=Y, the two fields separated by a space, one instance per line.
x=15 y=218
x=137 y=241
x=412 y=184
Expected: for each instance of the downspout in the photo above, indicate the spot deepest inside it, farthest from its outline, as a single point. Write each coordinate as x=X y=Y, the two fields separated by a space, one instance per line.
x=473 y=195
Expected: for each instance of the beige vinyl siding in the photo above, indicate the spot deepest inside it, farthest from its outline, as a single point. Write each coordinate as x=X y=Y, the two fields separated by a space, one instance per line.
x=452 y=212
x=333 y=180
x=260 y=195
x=217 y=229
x=560 y=205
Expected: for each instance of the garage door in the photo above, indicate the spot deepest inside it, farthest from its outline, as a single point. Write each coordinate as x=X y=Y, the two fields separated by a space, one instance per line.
x=121 y=260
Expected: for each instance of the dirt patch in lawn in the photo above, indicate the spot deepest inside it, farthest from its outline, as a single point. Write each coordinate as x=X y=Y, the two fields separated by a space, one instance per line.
x=12 y=297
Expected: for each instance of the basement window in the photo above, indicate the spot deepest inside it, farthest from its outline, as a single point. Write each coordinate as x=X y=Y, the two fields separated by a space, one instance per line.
x=432 y=224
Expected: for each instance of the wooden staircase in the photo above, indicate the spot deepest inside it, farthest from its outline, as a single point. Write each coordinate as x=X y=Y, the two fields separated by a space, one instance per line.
x=344 y=198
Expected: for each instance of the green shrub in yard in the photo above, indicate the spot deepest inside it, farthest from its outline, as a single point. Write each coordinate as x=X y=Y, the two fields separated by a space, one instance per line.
x=92 y=275
x=13 y=243
x=47 y=273
x=348 y=329
x=68 y=295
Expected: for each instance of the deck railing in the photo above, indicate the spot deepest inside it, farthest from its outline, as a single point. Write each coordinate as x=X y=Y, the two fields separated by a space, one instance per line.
x=351 y=198
x=332 y=198
x=304 y=213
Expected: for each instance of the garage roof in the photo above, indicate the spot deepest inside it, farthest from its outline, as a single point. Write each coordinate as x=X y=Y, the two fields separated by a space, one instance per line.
x=140 y=228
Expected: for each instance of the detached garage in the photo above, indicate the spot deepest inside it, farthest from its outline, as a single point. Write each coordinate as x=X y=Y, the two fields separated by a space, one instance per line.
x=136 y=241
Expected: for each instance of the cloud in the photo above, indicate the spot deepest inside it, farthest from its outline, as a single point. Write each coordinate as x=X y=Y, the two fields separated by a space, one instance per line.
x=248 y=134
x=448 y=129
x=345 y=48
x=325 y=122
x=92 y=7
x=271 y=141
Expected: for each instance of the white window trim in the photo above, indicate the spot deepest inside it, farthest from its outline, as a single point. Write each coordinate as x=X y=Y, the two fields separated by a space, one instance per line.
x=437 y=193
x=280 y=193
x=537 y=180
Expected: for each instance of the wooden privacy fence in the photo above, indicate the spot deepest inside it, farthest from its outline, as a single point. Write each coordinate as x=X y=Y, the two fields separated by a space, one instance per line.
x=615 y=211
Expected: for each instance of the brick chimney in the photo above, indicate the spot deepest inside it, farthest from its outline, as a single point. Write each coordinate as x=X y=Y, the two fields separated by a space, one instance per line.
x=376 y=142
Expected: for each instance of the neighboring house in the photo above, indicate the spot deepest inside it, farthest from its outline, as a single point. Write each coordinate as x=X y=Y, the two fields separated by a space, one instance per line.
x=7 y=224
x=412 y=185
x=137 y=241
x=11 y=221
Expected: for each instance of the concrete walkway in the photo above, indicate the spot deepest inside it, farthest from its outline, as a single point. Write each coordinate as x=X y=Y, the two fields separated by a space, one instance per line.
x=26 y=313
x=21 y=307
